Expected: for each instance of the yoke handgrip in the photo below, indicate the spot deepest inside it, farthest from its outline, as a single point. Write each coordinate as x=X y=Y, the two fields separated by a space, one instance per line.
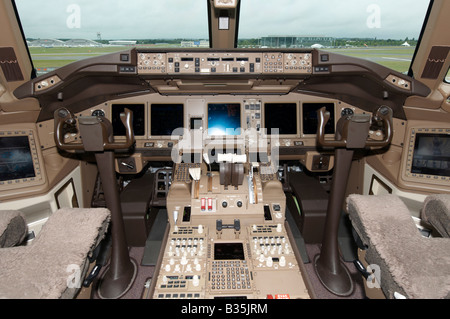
x=383 y=114
x=324 y=117
x=64 y=117
x=127 y=120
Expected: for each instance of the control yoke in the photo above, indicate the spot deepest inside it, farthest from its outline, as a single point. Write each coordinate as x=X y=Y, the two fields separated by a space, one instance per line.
x=91 y=132
x=97 y=137
x=352 y=131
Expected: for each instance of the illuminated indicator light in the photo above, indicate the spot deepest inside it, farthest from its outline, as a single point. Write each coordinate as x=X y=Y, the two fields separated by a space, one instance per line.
x=203 y=204
x=210 y=204
x=282 y=296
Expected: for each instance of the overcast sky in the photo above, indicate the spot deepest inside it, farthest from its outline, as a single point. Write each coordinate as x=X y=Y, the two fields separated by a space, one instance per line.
x=144 y=19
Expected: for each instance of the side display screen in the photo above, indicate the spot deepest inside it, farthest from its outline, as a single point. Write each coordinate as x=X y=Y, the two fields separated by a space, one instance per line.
x=16 y=161
x=431 y=155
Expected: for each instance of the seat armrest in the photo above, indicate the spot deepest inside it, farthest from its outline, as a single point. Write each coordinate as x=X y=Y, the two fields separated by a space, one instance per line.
x=13 y=228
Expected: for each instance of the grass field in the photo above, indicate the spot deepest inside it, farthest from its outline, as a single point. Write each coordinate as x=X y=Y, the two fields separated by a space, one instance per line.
x=397 y=58
x=44 y=58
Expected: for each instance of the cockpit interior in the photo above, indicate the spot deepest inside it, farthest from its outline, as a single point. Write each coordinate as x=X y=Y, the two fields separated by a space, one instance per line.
x=224 y=171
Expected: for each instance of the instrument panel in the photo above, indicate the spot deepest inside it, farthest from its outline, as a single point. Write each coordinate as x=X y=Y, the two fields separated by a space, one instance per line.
x=224 y=63
x=217 y=117
x=166 y=128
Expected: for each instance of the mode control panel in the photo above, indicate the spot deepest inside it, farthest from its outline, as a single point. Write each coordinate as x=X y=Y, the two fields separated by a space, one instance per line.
x=224 y=63
x=219 y=63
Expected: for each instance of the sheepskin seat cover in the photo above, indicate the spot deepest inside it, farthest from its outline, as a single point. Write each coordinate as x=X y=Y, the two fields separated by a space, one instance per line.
x=412 y=265
x=436 y=211
x=49 y=267
x=13 y=228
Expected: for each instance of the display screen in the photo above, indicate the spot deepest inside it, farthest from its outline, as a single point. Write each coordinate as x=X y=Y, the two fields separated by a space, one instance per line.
x=16 y=161
x=138 y=118
x=229 y=251
x=224 y=119
x=280 y=118
x=166 y=118
x=431 y=155
x=311 y=120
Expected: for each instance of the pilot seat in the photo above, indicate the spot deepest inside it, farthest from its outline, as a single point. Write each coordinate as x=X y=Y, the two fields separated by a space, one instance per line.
x=53 y=265
x=403 y=262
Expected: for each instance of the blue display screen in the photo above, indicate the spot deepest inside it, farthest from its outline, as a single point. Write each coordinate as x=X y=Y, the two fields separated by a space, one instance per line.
x=224 y=119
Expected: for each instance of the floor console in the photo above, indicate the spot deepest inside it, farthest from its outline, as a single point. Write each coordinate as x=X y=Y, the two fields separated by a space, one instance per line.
x=228 y=239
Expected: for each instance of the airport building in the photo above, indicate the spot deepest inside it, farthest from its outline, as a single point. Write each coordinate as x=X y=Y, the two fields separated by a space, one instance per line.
x=195 y=44
x=122 y=42
x=48 y=43
x=82 y=43
x=289 y=41
x=55 y=43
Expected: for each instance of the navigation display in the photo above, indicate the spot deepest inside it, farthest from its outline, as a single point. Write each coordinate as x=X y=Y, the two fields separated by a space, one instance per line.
x=431 y=155
x=16 y=161
x=310 y=118
x=280 y=118
x=166 y=118
x=224 y=119
x=138 y=118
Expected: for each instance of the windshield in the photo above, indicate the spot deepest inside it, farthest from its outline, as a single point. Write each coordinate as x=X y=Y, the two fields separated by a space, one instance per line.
x=59 y=32
x=383 y=31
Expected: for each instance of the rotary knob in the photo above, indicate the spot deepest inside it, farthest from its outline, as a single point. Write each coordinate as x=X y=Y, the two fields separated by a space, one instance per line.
x=282 y=261
x=196 y=281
